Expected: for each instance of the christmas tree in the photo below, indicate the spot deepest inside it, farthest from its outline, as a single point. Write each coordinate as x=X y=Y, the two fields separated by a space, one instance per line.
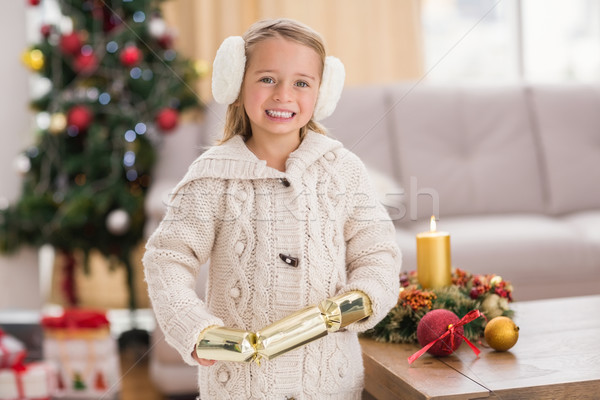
x=114 y=85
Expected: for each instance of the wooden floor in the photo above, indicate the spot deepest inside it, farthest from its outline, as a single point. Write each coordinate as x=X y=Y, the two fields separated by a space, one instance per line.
x=136 y=383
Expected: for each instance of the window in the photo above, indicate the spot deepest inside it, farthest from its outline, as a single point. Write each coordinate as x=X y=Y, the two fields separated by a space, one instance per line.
x=508 y=40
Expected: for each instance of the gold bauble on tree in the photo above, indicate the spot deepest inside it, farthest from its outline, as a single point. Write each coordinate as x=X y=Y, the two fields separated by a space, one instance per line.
x=33 y=58
x=501 y=333
x=202 y=68
x=58 y=123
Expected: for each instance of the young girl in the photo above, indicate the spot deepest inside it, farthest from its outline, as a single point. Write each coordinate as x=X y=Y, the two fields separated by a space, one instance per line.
x=286 y=215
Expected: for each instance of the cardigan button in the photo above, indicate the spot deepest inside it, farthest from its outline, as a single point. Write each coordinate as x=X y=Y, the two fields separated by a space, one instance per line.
x=239 y=248
x=329 y=156
x=241 y=195
x=285 y=182
x=289 y=260
x=223 y=376
x=234 y=292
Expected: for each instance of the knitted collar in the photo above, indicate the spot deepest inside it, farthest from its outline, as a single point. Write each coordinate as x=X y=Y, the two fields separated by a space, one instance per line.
x=233 y=160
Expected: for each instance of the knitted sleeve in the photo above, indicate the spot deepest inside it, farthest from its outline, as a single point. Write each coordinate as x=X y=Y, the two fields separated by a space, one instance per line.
x=373 y=259
x=174 y=254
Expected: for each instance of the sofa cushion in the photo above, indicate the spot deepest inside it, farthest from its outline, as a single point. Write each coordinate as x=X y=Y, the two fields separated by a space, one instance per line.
x=362 y=123
x=176 y=151
x=212 y=124
x=568 y=122
x=470 y=148
x=587 y=226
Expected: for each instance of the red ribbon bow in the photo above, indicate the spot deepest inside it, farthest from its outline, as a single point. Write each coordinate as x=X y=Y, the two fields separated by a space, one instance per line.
x=471 y=316
x=76 y=319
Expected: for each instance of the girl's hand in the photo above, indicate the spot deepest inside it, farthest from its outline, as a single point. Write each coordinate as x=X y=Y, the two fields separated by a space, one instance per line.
x=203 y=361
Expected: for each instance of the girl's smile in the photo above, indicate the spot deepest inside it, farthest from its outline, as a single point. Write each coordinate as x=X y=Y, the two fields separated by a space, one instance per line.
x=280 y=115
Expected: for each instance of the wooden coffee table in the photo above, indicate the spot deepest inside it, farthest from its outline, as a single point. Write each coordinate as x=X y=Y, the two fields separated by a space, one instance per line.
x=557 y=357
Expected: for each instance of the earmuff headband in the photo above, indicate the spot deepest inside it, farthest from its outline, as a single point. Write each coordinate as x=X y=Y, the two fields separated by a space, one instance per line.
x=228 y=74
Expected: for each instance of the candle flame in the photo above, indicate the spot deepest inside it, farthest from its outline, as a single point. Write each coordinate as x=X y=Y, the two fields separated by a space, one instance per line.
x=432 y=226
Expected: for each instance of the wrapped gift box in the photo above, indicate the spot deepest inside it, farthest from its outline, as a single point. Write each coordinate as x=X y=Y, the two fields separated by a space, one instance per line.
x=12 y=351
x=86 y=355
x=34 y=381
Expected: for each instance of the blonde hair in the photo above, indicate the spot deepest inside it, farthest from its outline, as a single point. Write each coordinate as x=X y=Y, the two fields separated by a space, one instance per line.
x=236 y=119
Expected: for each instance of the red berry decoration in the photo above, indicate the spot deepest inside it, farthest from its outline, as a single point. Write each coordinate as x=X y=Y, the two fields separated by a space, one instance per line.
x=130 y=56
x=70 y=44
x=433 y=325
x=167 y=118
x=46 y=30
x=85 y=63
x=110 y=20
x=475 y=292
x=80 y=117
x=165 y=41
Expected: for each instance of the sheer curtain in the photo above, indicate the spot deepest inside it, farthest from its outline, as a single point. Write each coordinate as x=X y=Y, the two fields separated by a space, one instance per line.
x=378 y=40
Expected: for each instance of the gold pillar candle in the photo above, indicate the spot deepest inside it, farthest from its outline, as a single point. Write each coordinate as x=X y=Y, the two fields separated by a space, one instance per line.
x=345 y=309
x=226 y=344
x=433 y=258
x=290 y=332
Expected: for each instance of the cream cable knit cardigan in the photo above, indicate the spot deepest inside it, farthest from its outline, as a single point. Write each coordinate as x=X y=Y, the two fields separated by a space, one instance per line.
x=232 y=208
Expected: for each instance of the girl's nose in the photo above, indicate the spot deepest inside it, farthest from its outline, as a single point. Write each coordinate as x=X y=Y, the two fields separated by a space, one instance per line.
x=282 y=93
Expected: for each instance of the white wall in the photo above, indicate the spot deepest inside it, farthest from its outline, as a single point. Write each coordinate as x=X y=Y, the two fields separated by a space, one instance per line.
x=19 y=282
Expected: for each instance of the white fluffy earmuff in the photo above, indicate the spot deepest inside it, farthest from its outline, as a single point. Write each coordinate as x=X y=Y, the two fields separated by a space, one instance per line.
x=228 y=74
x=228 y=70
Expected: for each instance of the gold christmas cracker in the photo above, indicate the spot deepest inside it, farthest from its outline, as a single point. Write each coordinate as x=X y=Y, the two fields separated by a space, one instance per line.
x=345 y=309
x=295 y=330
x=226 y=344
x=290 y=332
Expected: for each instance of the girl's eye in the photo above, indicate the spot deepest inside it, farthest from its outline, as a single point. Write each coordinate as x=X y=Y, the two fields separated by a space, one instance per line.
x=302 y=84
x=267 y=80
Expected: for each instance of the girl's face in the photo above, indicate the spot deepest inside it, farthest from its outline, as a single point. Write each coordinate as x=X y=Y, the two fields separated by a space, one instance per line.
x=280 y=87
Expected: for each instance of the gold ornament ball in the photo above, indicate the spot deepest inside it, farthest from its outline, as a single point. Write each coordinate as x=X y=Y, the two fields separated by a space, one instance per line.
x=34 y=59
x=202 y=68
x=58 y=123
x=501 y=333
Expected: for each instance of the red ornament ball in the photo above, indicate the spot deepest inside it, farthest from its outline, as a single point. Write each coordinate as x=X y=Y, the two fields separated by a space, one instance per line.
x=85 y=63
x=80 y=117
x=34 y=2
x=433 y=325
x=130 y=56
x=167 y=119
x=70 y=43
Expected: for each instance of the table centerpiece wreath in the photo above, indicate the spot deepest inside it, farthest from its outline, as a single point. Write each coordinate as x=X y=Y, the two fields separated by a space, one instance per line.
x=489 y=294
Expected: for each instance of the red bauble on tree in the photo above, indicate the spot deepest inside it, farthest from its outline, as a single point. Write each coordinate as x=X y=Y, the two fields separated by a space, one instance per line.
x=70 y=43
x=80 y=117
x=130 y=56
x=167 y=119
x=85 y=63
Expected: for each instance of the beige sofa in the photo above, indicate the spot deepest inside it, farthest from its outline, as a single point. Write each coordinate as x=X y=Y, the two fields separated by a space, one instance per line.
x=512 y=172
